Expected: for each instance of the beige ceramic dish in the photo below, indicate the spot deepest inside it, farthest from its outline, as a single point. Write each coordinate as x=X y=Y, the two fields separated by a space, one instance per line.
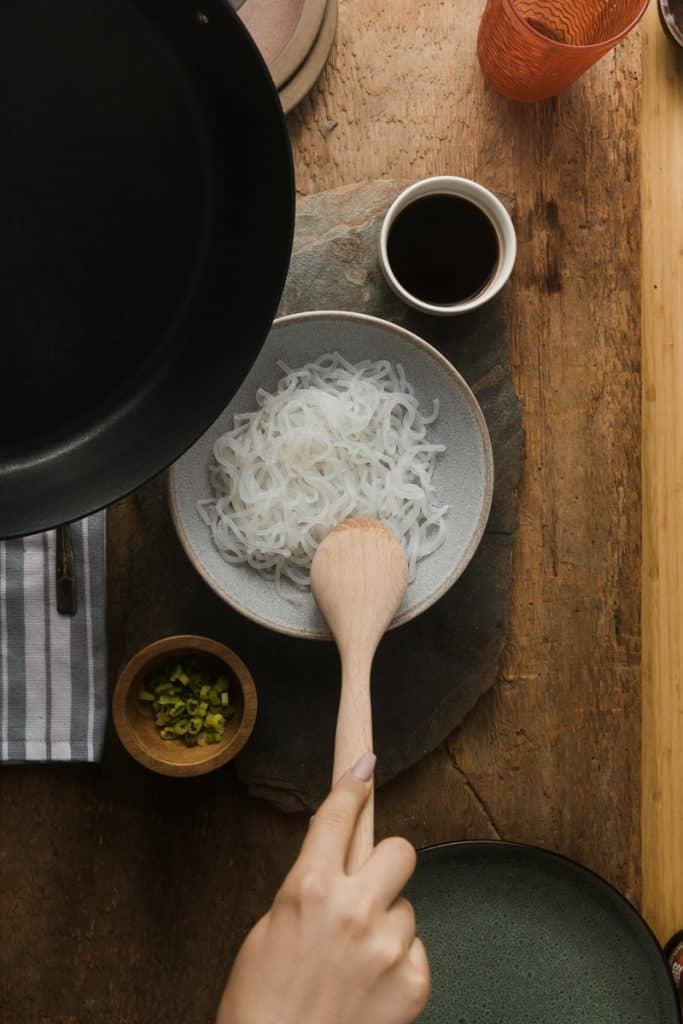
x=134 y=721
x=284 y=31
x=303 y=80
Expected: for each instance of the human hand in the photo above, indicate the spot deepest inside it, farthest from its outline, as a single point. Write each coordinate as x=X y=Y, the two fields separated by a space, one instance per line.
x=335 y=948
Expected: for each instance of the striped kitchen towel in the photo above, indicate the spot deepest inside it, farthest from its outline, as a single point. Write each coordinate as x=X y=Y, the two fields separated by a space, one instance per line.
x=53 y=686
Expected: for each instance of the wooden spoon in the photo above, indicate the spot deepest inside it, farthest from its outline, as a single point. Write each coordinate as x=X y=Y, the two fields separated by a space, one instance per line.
x=359 y=576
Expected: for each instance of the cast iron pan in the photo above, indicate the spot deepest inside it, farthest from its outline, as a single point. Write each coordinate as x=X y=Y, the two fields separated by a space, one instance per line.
x=146 y=218
x=518 y=935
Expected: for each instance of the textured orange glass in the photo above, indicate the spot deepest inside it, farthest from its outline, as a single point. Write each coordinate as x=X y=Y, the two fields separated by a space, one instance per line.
x=533 y=49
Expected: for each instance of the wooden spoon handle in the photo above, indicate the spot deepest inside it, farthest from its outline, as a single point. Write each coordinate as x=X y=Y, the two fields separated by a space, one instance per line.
x=353 y=739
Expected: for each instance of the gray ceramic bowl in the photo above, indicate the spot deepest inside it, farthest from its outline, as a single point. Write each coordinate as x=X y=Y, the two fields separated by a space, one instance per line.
x=521 y=935
x=671 y=17
x=463 y=475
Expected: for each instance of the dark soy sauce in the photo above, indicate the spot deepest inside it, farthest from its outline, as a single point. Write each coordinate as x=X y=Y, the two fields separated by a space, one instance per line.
x=443 y=249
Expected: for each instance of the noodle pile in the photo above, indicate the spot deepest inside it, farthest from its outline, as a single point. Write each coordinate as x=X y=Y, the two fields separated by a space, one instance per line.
x=334 y=440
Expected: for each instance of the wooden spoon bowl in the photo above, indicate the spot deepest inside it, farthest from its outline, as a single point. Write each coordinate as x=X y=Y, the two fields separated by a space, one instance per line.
x=134 y=721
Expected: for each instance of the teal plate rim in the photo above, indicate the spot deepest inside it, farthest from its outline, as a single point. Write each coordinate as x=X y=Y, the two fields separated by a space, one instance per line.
x=622 y=905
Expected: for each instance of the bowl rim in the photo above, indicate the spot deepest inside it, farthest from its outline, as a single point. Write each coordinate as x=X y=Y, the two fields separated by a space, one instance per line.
x=458 y=568
x=216 y=755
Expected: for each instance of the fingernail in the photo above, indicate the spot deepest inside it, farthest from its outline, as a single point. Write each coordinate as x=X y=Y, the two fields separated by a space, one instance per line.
x=364 y=767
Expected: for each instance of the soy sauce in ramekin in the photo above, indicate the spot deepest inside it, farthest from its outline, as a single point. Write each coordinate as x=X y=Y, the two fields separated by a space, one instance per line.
x=443 y=249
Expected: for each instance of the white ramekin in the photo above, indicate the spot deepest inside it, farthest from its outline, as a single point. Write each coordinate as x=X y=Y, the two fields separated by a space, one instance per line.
x=486 y=201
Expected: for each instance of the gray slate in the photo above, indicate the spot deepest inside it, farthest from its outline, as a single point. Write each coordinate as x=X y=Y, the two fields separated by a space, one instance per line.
x=428 y=673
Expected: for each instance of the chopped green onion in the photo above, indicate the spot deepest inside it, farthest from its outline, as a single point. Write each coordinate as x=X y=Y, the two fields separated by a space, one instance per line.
x=188 y=701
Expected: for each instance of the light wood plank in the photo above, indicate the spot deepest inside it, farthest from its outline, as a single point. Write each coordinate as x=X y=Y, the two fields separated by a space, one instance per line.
x=662 y=326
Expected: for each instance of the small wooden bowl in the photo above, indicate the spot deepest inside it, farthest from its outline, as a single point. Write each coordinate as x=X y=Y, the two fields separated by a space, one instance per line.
x=135 y=723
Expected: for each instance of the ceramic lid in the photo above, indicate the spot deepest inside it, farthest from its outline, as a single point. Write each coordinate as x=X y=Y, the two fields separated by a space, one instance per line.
x=284 y=31
x=301 y=83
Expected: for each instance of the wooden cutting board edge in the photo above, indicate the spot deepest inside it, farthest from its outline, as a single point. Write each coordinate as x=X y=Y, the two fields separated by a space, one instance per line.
x=662 y=479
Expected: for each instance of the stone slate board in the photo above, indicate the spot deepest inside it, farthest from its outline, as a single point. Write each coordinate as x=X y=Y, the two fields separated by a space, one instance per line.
x=428 y=673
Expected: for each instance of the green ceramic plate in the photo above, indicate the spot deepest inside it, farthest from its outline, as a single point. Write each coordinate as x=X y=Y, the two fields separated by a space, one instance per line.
x=517 y=935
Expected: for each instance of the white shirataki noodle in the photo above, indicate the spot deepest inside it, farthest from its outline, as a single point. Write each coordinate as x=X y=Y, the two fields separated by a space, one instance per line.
x=334 y=440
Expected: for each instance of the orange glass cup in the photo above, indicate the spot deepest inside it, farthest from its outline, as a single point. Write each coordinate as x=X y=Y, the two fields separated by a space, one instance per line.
x=532 y=49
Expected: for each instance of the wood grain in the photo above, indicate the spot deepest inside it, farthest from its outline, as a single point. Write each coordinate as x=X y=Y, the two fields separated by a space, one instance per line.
x=662 y=319
x=105 y=914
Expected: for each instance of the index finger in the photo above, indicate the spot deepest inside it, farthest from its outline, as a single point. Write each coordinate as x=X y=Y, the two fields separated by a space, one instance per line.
x=331 y=830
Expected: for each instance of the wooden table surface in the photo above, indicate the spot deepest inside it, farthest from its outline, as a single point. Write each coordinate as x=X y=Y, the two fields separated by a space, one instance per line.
x=123 y=897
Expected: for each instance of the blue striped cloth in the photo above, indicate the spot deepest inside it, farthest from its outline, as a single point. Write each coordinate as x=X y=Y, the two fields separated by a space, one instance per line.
x=53 y=685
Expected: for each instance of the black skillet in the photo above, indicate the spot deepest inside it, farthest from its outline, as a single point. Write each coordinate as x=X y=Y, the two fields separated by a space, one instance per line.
x=518 y=935
x=146 y=218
